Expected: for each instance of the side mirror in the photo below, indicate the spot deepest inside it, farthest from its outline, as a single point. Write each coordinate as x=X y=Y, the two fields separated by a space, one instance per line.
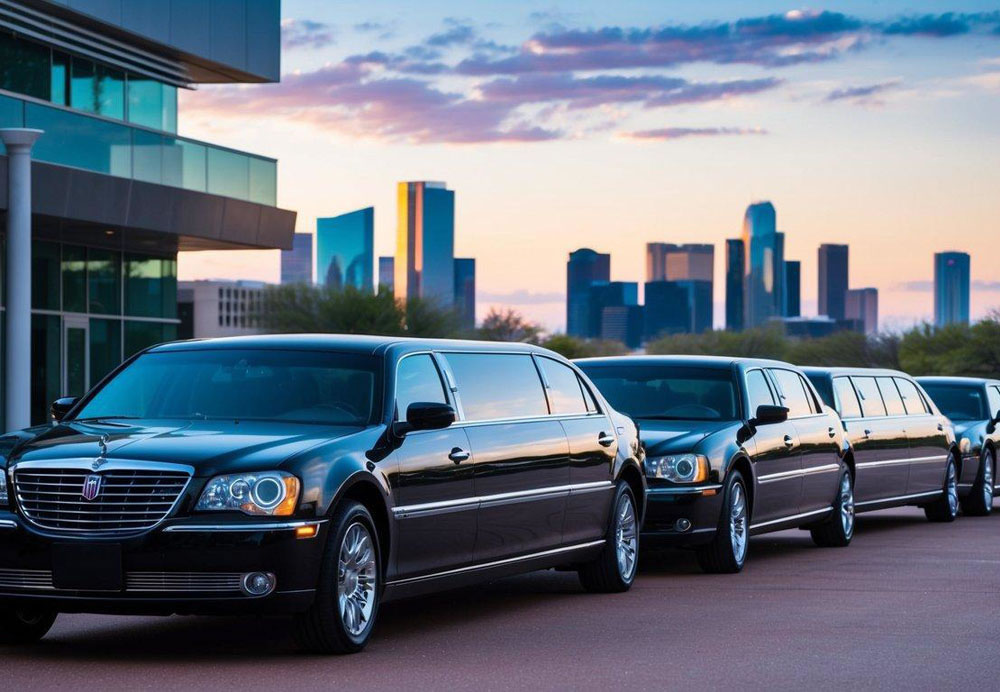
x=60 y=407
x=992 y=425
x=425 y=415
x=768 y=415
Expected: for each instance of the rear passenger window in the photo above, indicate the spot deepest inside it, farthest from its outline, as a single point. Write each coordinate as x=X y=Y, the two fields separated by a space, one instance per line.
x=912 y=400
x=417 y=379
x=890 y=395
x=565 y=395
x=758 y=391
x=494 y=385
x=993 y=400
x=871 y=400
x=793 y=394
x=850 y=407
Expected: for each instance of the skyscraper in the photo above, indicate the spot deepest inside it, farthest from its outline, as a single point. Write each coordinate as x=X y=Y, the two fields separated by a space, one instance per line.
x=670 y=262
x=297 y=263
x=345 y=249
x=735 y=266
x=951 y=288
x=386 y=273
x=678 y=307
x=833 y=280
x=425 y=242
x=764 y=247
x=623 y=323
x=465 y=291
x=583 y=268
x=605 y=294
x=861 y=306
x=793 y=289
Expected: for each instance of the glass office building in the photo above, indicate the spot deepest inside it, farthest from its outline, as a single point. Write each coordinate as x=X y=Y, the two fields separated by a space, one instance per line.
x=465 y=292
x=297 y=263
x=764 y=273
x=345 y=254
x=793 y=289
x=735 y=266
x=952 y=283
x=425 y=242
x=833 y=280
x=386 y=273
x=116 y=192
x=584 y=267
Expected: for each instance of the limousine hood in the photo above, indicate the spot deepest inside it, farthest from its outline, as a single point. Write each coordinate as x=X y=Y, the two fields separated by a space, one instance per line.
x=210 y=446
x=668 y=437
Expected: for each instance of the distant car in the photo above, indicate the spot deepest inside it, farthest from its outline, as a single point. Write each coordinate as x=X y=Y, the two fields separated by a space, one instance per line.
x=734 y=447
x=314 y=476
x=973 y=405
x=903 y=448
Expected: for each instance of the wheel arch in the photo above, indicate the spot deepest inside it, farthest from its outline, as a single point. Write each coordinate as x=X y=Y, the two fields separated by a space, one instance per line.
x=368 y=493
x=630 y=474
x=742 y=464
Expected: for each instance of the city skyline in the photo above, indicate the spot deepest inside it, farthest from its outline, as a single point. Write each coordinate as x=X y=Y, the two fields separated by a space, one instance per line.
x=905 y=150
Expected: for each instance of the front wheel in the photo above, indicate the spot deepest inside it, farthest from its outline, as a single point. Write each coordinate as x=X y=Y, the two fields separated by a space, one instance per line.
x=838 y=530
x=614 y=569
x=979 y=503
x=945 y=508
x=728 y=550
x=341 y=618
x=19 y=626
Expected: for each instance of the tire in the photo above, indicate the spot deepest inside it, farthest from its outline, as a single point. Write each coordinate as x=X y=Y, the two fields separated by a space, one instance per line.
x=613 y=571
x=979 y=503
x=21 y=626
x=727 y=552
x=838 y=530
x=343 y=615
x=945 y=508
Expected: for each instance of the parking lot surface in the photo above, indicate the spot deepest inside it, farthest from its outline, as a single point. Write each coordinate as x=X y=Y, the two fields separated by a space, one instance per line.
x=909 y=605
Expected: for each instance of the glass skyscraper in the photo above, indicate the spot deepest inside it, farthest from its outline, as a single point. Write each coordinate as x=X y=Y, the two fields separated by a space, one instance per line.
x=607 y=294
x=585 y=267
x=425 y=242
x=678 y=307
x=833 y=280
x=689 y=262
x=735 y=267
x=345 y=254
x=793 y=289
x=297 y=263
x=952 y=283
x=764 y=273
x=465 y=291
x=386 y=273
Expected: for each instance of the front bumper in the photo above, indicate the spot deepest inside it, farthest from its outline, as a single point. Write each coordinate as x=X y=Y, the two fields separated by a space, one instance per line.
x=700 y=505
x=183 y=566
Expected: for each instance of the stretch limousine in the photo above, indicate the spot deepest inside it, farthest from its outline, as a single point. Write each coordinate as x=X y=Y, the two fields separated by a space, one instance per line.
x=315 y=476
x=903 y=448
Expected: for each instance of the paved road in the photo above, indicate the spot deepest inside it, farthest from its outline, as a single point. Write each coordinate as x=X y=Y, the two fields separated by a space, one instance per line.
x=910 y=605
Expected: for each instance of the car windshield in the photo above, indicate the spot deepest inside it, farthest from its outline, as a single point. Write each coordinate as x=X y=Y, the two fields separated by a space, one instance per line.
x=959 y=402
x=667 y=392
x=273 y=385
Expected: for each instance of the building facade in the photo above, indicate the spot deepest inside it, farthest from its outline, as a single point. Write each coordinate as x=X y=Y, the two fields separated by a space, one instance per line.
x=116 y=193
x=952 y=287
x=678 y=307
x=605 y=294
x=861 y=308
x=345 y=250
x=624 y=323
x=671 y=262
x=465 y=292
x=297 y=263
x=211 y=308
x=793 y=289
x=425 y=242
x=386 y=273
x=735 y=267
x=833 y=280
x=584 y=267
x=764 y=248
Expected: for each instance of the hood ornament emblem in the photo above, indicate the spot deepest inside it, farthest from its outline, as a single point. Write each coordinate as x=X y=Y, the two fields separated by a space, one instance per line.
x=102 y=445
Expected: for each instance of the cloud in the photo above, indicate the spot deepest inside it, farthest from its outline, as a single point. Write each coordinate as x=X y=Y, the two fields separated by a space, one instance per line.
x=861 y=94
x=937 y=26
x=457 y=33
x=521 y=297
x=670 y=133
x=986 y=286
x=305 y=33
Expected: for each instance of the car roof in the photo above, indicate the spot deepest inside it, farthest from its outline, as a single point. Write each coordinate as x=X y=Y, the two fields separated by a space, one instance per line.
x=939 y=379
x=871 y=372
x=692 y=361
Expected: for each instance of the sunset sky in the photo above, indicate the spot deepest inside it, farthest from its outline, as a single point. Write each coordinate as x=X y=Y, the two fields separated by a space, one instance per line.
x=611 y=124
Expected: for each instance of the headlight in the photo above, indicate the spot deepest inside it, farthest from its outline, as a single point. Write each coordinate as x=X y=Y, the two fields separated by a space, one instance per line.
x=274 y=493
x=679 y=468
x=3 y=488
x=965 y=445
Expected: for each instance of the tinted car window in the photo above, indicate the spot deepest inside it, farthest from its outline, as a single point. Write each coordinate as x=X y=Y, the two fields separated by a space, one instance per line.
x=793 y=394
x=293 y=386
x=959 y=402
x=667 y=392
x=494 y=385
x=850 y=407
x=890 y=395
x=417 y=379
x=993 y=397
x=758 y=391
x=565 y=395
x=824 y=387
x=871 y=399
x=912 y=400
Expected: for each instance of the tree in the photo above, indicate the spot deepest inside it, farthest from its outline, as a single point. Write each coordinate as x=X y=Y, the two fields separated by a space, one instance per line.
x=508 y=325
x=572 y=347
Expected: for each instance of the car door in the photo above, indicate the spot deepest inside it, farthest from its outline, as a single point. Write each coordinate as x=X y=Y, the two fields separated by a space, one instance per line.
x=435 y=499
x=777 y=466
x=882 y=464
x=521 y=469
x=593 y=445
x=928 y=441
x=820 y=453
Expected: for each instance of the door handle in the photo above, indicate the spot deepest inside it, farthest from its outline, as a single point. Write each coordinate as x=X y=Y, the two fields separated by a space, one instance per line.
x=458 y=455
x=940 y=427
x=789 y=441
x=605 y=440
x=868 y=433
x=831 y=431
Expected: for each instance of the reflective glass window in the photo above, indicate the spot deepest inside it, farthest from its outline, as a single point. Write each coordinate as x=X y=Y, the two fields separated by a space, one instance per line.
x=890 y=395
x=493 y=385
x=110 y=95
x=147 y=156
x=263 y=181
x=169 y=108
x=104 y=281
x=150 y=286
x=793 y=393
x=59 y=91
x=667 y=392
x=105 y=347
x=90 y=143
x=83 y=85
x=44 y=275
x=228 y=174
x=912 y=400
x=758 y=391
x=145 y=102
x=46 y=364
x=958 y=402
x=565 y=394
x=24 y=66
x=871 y=399
x=417 y=379
x=11 y=113
x=850 y=406
x=993 y=399
x=74 y=278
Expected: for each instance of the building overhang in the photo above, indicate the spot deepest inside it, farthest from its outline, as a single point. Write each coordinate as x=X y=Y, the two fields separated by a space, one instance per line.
x=68 y=201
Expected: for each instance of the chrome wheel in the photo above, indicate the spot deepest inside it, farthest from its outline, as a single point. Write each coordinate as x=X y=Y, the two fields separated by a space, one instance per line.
x=738 y=522
x=951 y=488
x=988 y=480
x=356 y=579
x=626 y=537
x=847 y=505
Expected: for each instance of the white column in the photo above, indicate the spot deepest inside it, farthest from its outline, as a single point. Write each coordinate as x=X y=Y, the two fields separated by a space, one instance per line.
x=17 y=335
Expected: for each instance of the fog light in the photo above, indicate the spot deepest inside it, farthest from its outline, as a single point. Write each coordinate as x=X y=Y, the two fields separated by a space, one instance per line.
x=258 y=583
x=682 y=525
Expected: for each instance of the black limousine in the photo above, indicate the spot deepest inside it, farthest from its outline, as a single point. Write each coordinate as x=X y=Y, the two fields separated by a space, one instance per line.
x=734 y=447
x=315 y=476
x=903 y=448
x=973 y=406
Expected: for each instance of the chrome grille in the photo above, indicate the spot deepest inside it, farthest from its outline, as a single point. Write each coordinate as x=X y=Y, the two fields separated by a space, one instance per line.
x=168 y=582
x=25 y=579
x=129 y=501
